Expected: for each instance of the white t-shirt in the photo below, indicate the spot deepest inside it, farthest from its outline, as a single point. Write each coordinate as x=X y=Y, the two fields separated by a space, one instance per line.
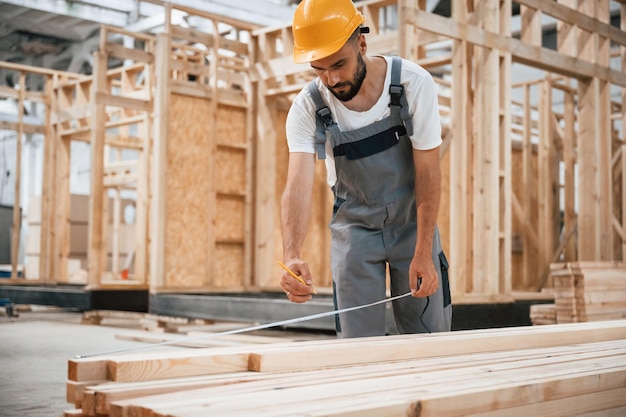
x=421 y=94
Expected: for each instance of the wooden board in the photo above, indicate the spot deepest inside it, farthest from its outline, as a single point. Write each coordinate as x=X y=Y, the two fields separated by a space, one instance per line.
x=553 y=370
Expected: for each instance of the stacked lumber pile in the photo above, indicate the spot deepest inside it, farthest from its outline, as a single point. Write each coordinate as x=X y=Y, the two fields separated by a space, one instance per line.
x=584 y=291
x=188 y=332
x=555 y=370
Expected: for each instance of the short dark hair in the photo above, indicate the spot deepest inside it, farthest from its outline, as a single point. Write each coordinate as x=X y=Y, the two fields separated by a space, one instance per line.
x=355 y=35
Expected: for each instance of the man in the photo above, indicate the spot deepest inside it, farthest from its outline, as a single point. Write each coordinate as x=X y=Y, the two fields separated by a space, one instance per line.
x=376 y=124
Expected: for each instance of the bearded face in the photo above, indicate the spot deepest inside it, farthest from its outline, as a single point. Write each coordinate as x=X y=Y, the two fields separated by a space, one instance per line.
x=346 y=90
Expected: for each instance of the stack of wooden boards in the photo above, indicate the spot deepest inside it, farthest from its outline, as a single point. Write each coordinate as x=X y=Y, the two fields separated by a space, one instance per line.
x=186 y=332
x=554 y=370
x=584 y=291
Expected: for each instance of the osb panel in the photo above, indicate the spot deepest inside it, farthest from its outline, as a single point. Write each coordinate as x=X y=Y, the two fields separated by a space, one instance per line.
x=230 y=171
x=188 y=192
x=229 y=219
x=229 y=267
x=231 y=125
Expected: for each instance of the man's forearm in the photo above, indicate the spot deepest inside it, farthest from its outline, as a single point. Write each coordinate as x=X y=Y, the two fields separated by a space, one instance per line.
x=295 y=215
x=427 y=197
x=296 y=203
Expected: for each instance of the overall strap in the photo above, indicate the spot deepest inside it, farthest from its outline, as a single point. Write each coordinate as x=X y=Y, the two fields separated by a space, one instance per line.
x=323 y=121
x=398 y=103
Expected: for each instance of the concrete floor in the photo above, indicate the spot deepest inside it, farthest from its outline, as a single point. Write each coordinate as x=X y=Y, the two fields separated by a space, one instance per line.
x=34 y=350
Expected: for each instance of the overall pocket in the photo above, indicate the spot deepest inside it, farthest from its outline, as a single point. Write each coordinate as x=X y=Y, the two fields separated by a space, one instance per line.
x=445 y=281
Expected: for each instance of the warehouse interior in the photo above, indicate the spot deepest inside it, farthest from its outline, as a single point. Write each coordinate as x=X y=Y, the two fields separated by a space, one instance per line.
x=142 y=160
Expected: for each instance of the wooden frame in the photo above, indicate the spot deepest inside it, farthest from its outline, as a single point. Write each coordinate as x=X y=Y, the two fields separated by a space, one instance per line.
x=534 y=168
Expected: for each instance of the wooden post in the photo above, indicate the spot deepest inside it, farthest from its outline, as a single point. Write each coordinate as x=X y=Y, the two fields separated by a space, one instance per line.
x=566 y=44
x=17 y=212
x=97 y=196
x=461 y=158
x=157 y=225
x=604 y=137
x=214 y=53
x=60 y=201
x=46 y=237
x=486 y=207
x=505 y=186
x=528 y=178
x=531 y=34
x=266 y=195
x=143 y=200
x=545 y=177
x=594 y=144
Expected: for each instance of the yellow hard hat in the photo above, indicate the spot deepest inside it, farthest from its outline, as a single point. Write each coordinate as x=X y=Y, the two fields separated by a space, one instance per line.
x=321 y=27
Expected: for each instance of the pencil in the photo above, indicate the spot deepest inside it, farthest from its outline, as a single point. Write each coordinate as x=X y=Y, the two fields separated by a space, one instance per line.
x=299 y=278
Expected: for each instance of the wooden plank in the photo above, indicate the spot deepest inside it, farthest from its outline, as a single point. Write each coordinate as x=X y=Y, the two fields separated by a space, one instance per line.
x=354 y=394
x=462 y=369
x=311 y=357
x=137 y=55
x=27 y=128
x=185 y=364
x=570 y=15
x=96 y=197
x=461 y=160
x=534 y=56
x=86 y=369
x=121 y=101
x=287 y=356
x=74 y=390
x=17 y=204
x=159 y=161
x=153 y=389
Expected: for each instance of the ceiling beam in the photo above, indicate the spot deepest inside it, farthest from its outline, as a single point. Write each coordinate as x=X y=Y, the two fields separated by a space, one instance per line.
x=89 y=12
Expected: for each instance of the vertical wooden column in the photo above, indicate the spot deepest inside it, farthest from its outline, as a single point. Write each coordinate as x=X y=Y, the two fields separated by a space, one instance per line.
x=546 y=185
x=249 y=248
x=408 y=33
x=267 y=194
x=505 y=157
x=143 y=195
x=157 y=225
x=531 y=34
x=461 y=158
x=604 y=136
x=60 y=201
x=486 y=204
x=566 y=44
x=97 y=199
x=570 y=223
x=212 y=140
x=46 y=237
x=529 y=244
x=17 y=212
x=591 y=202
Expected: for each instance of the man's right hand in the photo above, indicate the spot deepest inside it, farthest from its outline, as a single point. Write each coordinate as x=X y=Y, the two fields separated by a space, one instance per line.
x=295 y=290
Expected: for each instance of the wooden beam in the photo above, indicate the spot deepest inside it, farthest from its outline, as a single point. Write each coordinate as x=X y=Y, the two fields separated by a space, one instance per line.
x=534 y=56
x=569 y=15
x=159 y=165
x=461 y=159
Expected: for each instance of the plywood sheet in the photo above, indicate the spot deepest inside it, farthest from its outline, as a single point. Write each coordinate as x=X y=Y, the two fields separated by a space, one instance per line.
x=188 y=191
x=231 y=125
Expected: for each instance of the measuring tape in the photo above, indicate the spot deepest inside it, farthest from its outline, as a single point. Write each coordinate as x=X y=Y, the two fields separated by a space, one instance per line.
x=249 y=329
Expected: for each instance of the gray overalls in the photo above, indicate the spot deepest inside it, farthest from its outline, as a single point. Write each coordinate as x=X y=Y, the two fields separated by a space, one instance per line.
x=374 y=222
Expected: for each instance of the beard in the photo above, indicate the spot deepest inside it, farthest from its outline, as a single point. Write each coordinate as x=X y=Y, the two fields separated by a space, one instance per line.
x=354 y=85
